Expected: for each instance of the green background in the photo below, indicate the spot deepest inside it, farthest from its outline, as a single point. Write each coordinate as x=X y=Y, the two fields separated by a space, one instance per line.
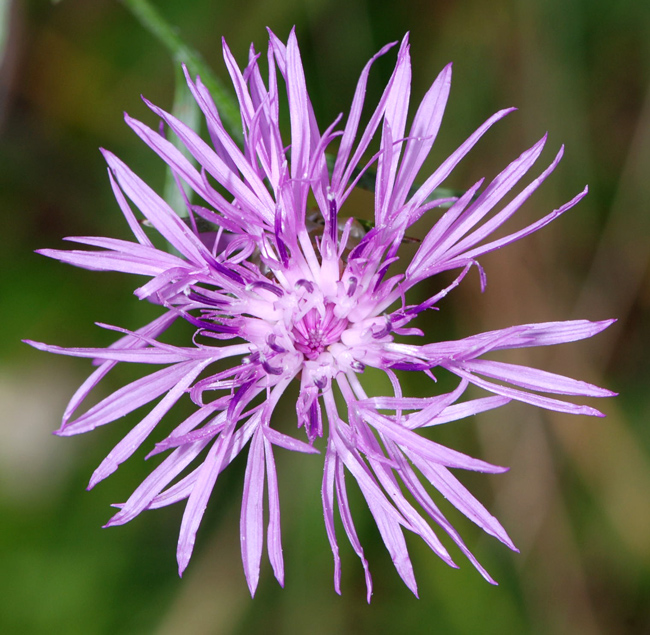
x=576 y=500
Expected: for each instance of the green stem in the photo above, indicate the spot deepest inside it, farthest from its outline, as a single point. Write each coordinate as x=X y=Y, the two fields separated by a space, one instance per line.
x=152 y=21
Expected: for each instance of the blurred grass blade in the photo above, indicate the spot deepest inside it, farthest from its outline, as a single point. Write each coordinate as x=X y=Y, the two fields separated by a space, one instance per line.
x=187 y=110
x=5 y=11
x=152 y=21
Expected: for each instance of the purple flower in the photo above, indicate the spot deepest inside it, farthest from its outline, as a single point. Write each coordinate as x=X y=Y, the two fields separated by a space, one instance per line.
x=310 y=297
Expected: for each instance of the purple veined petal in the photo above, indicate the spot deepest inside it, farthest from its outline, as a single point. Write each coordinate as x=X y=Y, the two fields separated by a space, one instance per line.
x=356 y=466
x=263 y=103
x=389 y=521
x=206 y=433
x=132 y=441
x=527 y=335
x=83 y=391
x=127 y=399
x=190 y=424
x=470 y=347
x=212 y=118
x=550 y=333
x=287 y=442
x=274 y=532
x=352 y=123
x=181 y=166
x=142 y=264
x=463 y=410
x=425 y=255
x=429 y=407
x=183 y=488
x=137 y=230
x=427 y=449
x=171 y=155
x=126 y=247
x=394 y=123
x=252 y=512
x=534 y=379
x=547 y=403
x=371 y=127
x=348 y=524
x=239 y=84
x=415 y=521
x=225 y=148
x=218 y=457
x=458 y=495
x=158 y=212
x=140 y=356
x=452 y=161
x=250 y=192
x=393 y=537
x=385 y=173
x=422 y=135
x=197 y=352
x=298 y=110
x=424 y=500
x=327 y=494
x=154 y=328
x=530 y=229
x=495 y=191
x=496 y=221
x=162 y=475
x=206 y=477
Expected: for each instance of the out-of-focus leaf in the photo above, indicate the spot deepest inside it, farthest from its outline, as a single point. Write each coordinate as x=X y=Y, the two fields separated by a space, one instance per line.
x=188 y=111
x=181 y=52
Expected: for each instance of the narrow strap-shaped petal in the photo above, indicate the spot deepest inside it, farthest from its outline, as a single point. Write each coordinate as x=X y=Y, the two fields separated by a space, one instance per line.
x=137 y=230
x=496 y=221
x=287 y=442
x=425 y=190
x=128 y=398
x=250 y=192
x=132 y=441
x=156 y=210
x=201 y=488
x=535 y=379
x=327 y=495
x=163 y=474
x=298 y=110
x=138 y=356
x=428 y=449
x=493 y=193
x=352 y=123
x=460 y=497
x=522 y=233
x=348 y=523
x=536 y=400
x=274 y=532
x=460 y=411
x=146 y=263
x=422 y=135
x=252 y=512
x=422 y=497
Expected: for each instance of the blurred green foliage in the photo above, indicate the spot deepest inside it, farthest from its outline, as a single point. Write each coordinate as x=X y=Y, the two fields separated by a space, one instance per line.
x=576 y=498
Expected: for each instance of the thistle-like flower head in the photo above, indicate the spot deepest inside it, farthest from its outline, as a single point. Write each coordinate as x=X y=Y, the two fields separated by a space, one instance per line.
x=292 y=294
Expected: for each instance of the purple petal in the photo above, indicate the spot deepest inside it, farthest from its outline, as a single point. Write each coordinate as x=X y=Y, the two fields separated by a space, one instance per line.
x=252 y=512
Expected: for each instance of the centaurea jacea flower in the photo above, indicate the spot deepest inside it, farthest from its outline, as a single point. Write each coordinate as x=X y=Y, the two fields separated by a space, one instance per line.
x=290 y=302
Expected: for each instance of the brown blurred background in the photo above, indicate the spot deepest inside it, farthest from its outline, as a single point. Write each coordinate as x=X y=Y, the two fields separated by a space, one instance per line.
x=576 y=500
